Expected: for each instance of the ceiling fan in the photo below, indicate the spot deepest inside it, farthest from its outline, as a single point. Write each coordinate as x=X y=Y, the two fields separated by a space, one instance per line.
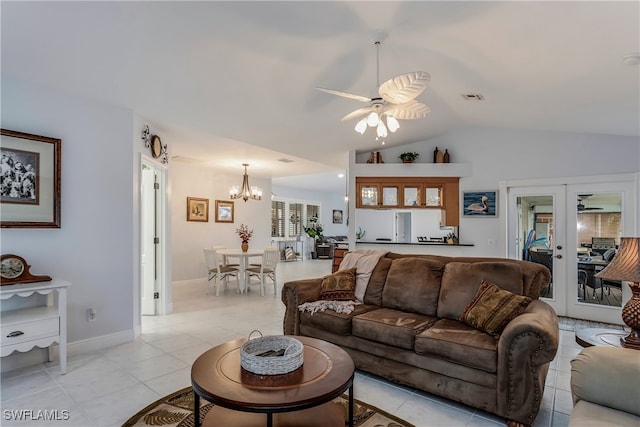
x=581 y=207
x=395 y=100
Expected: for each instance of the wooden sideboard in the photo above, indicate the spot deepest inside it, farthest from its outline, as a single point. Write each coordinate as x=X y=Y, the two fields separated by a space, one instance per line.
x=338 y=255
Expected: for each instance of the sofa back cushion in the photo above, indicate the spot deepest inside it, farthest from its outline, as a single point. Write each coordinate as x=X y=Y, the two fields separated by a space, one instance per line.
x=461 y=281
x=377 y=280
x=413 y=285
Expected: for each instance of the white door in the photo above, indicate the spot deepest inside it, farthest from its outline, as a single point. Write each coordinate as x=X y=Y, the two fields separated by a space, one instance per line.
x=529 y=208
x=148 y=252
x=581 y=222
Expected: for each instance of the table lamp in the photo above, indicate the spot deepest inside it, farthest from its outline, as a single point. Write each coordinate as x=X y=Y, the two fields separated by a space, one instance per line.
x=626 y=266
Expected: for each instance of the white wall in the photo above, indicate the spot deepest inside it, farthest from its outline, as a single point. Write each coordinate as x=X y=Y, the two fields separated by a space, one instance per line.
x=504 y=154
x=189 y=237
x=93 y=249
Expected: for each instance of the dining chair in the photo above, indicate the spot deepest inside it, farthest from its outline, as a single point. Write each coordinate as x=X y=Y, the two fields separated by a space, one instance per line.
x=218 y=272
x=266 y=270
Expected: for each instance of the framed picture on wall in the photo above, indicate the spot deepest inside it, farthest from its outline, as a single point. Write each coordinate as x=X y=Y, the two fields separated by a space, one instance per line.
x=337 y=216
x=224 y=211
x=30 y=180
x=197 y=209
x=483 y=204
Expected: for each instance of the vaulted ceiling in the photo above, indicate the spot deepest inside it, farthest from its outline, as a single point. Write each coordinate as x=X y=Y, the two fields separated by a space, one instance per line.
x=234 y=82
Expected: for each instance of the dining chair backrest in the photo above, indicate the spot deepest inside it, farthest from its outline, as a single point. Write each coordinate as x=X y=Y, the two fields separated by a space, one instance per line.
x=270 y=258
x=211 y=259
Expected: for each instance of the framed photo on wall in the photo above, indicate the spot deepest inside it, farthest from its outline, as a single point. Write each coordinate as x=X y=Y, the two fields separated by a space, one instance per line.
x=224 y=211
x=337 y=216
x=29 y=180
x=483 y=204
x=197 y=209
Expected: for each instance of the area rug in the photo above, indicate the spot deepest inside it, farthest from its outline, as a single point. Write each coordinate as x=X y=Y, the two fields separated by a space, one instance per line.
x=571 y=324
x=176 y=410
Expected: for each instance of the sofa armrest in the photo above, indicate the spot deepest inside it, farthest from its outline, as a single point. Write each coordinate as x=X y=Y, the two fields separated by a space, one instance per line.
x=526 y=347
x=293 y=294
x=607 y=376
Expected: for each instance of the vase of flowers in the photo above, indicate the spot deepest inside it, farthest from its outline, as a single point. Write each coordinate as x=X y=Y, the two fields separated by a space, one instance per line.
x=245 y=235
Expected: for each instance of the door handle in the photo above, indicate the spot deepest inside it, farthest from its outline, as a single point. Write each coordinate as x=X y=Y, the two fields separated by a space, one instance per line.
x=559 y=256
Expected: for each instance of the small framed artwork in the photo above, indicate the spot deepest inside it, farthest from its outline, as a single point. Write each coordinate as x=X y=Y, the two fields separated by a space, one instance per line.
x=30 y=180
x=337 y=216
x=197 y=209
x=483 y=204
x=224 y=211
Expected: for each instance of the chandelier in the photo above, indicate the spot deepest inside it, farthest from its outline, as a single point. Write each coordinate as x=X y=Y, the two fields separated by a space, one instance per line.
x=246 y=192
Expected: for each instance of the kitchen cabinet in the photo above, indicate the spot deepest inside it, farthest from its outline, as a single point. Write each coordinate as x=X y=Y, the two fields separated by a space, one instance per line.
x=411 y=193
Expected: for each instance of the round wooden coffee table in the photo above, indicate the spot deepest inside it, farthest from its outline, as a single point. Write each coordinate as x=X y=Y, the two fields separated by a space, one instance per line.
x=600 y=336
x=301 y=397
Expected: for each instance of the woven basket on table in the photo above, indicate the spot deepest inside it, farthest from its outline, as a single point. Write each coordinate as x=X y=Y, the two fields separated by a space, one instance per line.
x=290 y=361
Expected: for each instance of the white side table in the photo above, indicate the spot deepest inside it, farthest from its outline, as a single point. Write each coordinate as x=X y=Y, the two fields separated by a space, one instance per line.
x=41 y=326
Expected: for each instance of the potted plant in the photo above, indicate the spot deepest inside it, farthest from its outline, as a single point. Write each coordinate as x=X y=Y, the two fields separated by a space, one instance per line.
x=408 y=157
x=245 y=235
x=314 y=231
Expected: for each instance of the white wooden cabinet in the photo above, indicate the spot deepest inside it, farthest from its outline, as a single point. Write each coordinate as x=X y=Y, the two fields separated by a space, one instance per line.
x=41 y=326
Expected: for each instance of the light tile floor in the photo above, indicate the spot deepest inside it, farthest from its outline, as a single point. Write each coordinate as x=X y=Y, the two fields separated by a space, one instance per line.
x=106 y=387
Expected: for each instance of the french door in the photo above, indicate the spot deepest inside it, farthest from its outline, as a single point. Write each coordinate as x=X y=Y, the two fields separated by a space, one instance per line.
x=573 y=229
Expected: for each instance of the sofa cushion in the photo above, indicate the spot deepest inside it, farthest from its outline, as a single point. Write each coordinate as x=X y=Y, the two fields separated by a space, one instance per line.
x=413 y=285
x=492 y=308
x=339 y=286
x=391 y=327
x=336 y=323
x=456 y=342
x=377 y=280
x=461 y=281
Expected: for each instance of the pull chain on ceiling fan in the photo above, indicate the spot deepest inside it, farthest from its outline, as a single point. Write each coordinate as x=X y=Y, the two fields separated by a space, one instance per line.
x=396 y=100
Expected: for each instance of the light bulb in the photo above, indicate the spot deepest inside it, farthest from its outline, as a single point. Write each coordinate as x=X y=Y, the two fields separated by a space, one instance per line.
x=392 y=123
x=382 y=130
x=372 y=119
x=361 y=126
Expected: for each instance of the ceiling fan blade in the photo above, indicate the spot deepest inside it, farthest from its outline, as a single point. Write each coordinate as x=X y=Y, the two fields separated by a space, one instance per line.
x=357 y=113
x=345 y=94
x=405 y=87
x=408 y=110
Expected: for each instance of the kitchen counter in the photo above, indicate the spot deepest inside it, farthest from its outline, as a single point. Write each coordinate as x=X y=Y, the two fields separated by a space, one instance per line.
x=384 y=242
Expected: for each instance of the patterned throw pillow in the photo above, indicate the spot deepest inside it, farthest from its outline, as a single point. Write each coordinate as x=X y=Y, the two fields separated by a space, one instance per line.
x=339 y=286
x=492 y=308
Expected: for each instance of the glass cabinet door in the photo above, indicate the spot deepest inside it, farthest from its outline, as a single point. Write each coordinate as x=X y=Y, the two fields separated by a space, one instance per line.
x=411 y=196
x=433 y=196
x=389 y=196
x=369 y=195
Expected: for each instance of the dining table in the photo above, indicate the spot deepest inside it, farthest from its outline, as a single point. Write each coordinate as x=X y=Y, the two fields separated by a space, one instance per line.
x=243 y=263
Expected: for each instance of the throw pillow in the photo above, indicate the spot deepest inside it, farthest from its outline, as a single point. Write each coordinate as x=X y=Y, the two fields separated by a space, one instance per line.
x=339 y=286
x=492 y=308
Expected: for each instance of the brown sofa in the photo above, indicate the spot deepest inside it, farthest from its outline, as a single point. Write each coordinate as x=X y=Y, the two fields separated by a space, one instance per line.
x=408 y=330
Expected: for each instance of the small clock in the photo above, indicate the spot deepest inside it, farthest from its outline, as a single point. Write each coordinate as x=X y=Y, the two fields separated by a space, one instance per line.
x=14 y=269
x=156 y=146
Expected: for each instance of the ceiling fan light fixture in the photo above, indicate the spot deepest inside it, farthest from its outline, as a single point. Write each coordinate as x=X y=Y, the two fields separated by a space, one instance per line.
x=361 y=126
x=373 y=119
x=392 y=123
x=382 y=130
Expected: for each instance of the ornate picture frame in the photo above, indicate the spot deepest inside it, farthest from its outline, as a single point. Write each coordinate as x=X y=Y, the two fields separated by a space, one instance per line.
x=30 y=180
x=197 y=209
x=224 y=211
x=480 y=204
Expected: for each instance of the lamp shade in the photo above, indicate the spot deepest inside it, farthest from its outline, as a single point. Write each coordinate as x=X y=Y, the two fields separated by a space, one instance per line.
x=626 y=263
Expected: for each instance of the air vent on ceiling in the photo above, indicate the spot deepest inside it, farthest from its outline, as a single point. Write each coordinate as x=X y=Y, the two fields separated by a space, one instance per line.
x=473 y=96
x=285 y=160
